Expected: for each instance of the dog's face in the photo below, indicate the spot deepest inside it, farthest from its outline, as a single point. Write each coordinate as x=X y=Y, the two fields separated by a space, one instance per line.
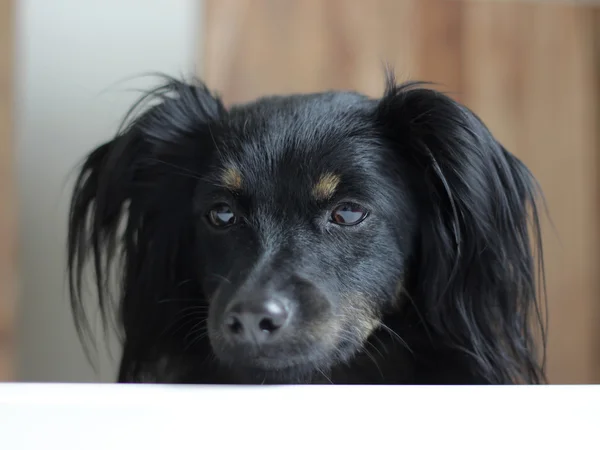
x=304 y=222
x=287 y=236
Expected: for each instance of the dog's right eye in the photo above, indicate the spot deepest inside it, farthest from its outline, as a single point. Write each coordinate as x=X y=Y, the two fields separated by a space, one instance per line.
x=221 y=216
x=348 y=214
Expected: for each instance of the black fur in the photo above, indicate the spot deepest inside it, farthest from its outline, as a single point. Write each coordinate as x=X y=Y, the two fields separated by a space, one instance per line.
x=437 y=285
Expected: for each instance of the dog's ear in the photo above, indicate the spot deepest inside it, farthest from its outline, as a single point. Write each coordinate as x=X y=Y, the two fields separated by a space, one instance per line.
x=474 y=272
x=131 y=205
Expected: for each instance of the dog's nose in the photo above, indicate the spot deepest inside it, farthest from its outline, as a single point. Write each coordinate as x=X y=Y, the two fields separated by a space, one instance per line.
x=257 y=321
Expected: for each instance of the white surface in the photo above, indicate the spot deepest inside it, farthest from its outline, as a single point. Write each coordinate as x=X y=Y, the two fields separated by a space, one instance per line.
x=145 y=417
x=71 y=57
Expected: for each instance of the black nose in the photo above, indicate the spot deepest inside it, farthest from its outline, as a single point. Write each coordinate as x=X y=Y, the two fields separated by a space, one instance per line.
x=257 y=321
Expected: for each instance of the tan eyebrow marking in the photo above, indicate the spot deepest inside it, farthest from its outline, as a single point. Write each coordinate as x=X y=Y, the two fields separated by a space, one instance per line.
x=326 y=186
x=232 y=179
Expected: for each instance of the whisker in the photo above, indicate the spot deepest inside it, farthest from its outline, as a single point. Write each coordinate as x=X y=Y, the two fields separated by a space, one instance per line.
x=208 y=359
x=199 y=308
x=185 y=322
x=372 y=358
x=183 y=170
x=196 y=340
x=183 y=282
x=212 y=136
x=366 y=352
x=393 y=334
x=421 y=318
x=194 y=329
x=381 y=344
x=374 y=348
x=219 y=277
x=184 y=317
x=326 y=377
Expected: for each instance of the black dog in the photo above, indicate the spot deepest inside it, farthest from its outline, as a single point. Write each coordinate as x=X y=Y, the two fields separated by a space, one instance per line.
x=323 y=238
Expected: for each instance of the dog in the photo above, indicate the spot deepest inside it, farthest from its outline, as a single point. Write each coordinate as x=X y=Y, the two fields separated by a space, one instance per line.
x=324 y=238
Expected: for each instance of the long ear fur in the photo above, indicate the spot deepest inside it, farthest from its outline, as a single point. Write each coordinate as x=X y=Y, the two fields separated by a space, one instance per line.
x=475 y=272
x=130 y=214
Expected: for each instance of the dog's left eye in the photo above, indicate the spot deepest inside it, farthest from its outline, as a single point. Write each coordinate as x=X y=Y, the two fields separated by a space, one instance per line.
x=221 y=216
x=348 y=214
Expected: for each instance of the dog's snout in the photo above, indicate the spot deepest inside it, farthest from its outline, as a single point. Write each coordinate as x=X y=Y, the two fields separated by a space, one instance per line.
x=257 y=321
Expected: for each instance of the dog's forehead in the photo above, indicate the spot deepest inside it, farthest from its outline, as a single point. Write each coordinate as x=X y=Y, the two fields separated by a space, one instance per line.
x=311 y=141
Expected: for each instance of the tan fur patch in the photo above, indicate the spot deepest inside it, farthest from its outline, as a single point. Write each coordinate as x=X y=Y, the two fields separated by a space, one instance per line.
x=326 y=186
x=354 y=322
x=401 y=296
x=356 y=311
x=232 y=179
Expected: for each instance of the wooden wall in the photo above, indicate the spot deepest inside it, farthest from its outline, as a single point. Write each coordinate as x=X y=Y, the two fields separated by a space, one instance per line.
x=531 y=70
x=7 y=195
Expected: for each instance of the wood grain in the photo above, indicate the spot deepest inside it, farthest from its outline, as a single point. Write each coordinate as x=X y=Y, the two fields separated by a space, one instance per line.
x=531 y=70
x=7 y=196
x=530 y=75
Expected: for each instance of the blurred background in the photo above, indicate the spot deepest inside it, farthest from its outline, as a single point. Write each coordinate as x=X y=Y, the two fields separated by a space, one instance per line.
x=529 y=69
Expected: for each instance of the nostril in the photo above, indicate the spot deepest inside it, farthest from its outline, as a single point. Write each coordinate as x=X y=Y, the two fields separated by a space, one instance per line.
x=275 y=318
x=234 y=324
x=268 y=325
x=255 y=321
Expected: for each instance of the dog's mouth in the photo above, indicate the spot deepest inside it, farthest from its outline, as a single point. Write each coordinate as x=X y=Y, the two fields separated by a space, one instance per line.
x=299 y=360
x=268 y=363
x=269 y=359
x=270 y=370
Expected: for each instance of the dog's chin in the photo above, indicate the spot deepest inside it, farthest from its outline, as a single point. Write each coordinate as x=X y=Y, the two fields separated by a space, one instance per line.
x=283 y=368
x=269 y=373
x=274 y=370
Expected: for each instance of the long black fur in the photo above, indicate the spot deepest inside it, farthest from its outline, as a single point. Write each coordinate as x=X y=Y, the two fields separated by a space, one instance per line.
x=454 y=221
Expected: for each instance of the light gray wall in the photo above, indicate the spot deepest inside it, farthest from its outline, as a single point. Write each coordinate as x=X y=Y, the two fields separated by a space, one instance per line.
x=72 y=56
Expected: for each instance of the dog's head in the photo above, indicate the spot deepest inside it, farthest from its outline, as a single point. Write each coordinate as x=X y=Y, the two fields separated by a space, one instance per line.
x=282 y=234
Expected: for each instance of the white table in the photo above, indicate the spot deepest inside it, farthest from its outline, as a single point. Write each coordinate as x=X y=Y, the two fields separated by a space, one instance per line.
x=144 y=417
